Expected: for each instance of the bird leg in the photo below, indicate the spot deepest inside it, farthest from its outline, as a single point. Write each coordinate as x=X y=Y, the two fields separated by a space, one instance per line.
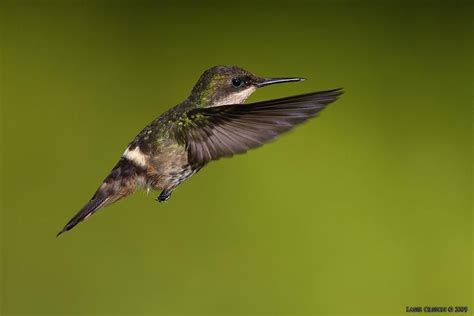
x=164 y=195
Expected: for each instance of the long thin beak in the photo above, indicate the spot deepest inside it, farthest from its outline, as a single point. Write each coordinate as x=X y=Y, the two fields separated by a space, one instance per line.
x=269 y=81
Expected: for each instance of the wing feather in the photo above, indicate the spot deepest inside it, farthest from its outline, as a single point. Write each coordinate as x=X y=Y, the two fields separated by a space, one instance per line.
x=227 y=130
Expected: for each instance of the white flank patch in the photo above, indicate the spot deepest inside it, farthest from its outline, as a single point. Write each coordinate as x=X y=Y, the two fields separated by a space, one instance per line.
x=136 y=156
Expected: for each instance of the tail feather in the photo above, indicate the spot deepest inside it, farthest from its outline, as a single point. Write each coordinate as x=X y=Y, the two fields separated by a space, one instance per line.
x=121 y=182
x=90 y=208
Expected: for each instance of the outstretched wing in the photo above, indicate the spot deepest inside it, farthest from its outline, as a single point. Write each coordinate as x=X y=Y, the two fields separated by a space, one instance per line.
x=223 y=131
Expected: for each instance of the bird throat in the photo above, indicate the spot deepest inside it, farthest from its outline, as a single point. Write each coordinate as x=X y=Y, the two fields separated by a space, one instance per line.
x=233 y=98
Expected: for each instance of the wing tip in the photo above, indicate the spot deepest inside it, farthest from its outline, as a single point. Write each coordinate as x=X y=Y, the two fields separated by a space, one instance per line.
x=333 y=92
x=327 y=97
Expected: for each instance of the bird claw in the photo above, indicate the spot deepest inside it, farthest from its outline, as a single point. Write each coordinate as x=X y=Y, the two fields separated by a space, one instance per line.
x=164 y=196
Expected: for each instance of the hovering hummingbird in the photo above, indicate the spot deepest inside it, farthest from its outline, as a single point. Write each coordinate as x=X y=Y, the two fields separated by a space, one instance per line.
x=210 y=124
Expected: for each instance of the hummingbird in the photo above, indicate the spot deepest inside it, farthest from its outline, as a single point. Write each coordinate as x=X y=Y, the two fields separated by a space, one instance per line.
x=212 y=123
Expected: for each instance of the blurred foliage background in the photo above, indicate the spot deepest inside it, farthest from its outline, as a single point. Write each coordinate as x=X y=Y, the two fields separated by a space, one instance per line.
x=363 y=211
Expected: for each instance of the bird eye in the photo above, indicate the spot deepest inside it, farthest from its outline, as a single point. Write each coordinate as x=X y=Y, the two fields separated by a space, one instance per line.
x=237 y=82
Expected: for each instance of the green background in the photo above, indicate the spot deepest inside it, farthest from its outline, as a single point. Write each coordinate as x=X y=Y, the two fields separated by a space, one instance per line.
x=363 y=211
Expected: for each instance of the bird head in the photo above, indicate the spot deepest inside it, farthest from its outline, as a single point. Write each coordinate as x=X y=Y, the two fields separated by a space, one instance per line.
x=221 y=85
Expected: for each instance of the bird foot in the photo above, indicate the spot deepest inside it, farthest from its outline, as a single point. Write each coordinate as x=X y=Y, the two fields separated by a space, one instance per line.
x=164 y=196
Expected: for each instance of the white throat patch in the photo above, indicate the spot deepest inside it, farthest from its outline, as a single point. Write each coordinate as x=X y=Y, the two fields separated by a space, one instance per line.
x=236 y=98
